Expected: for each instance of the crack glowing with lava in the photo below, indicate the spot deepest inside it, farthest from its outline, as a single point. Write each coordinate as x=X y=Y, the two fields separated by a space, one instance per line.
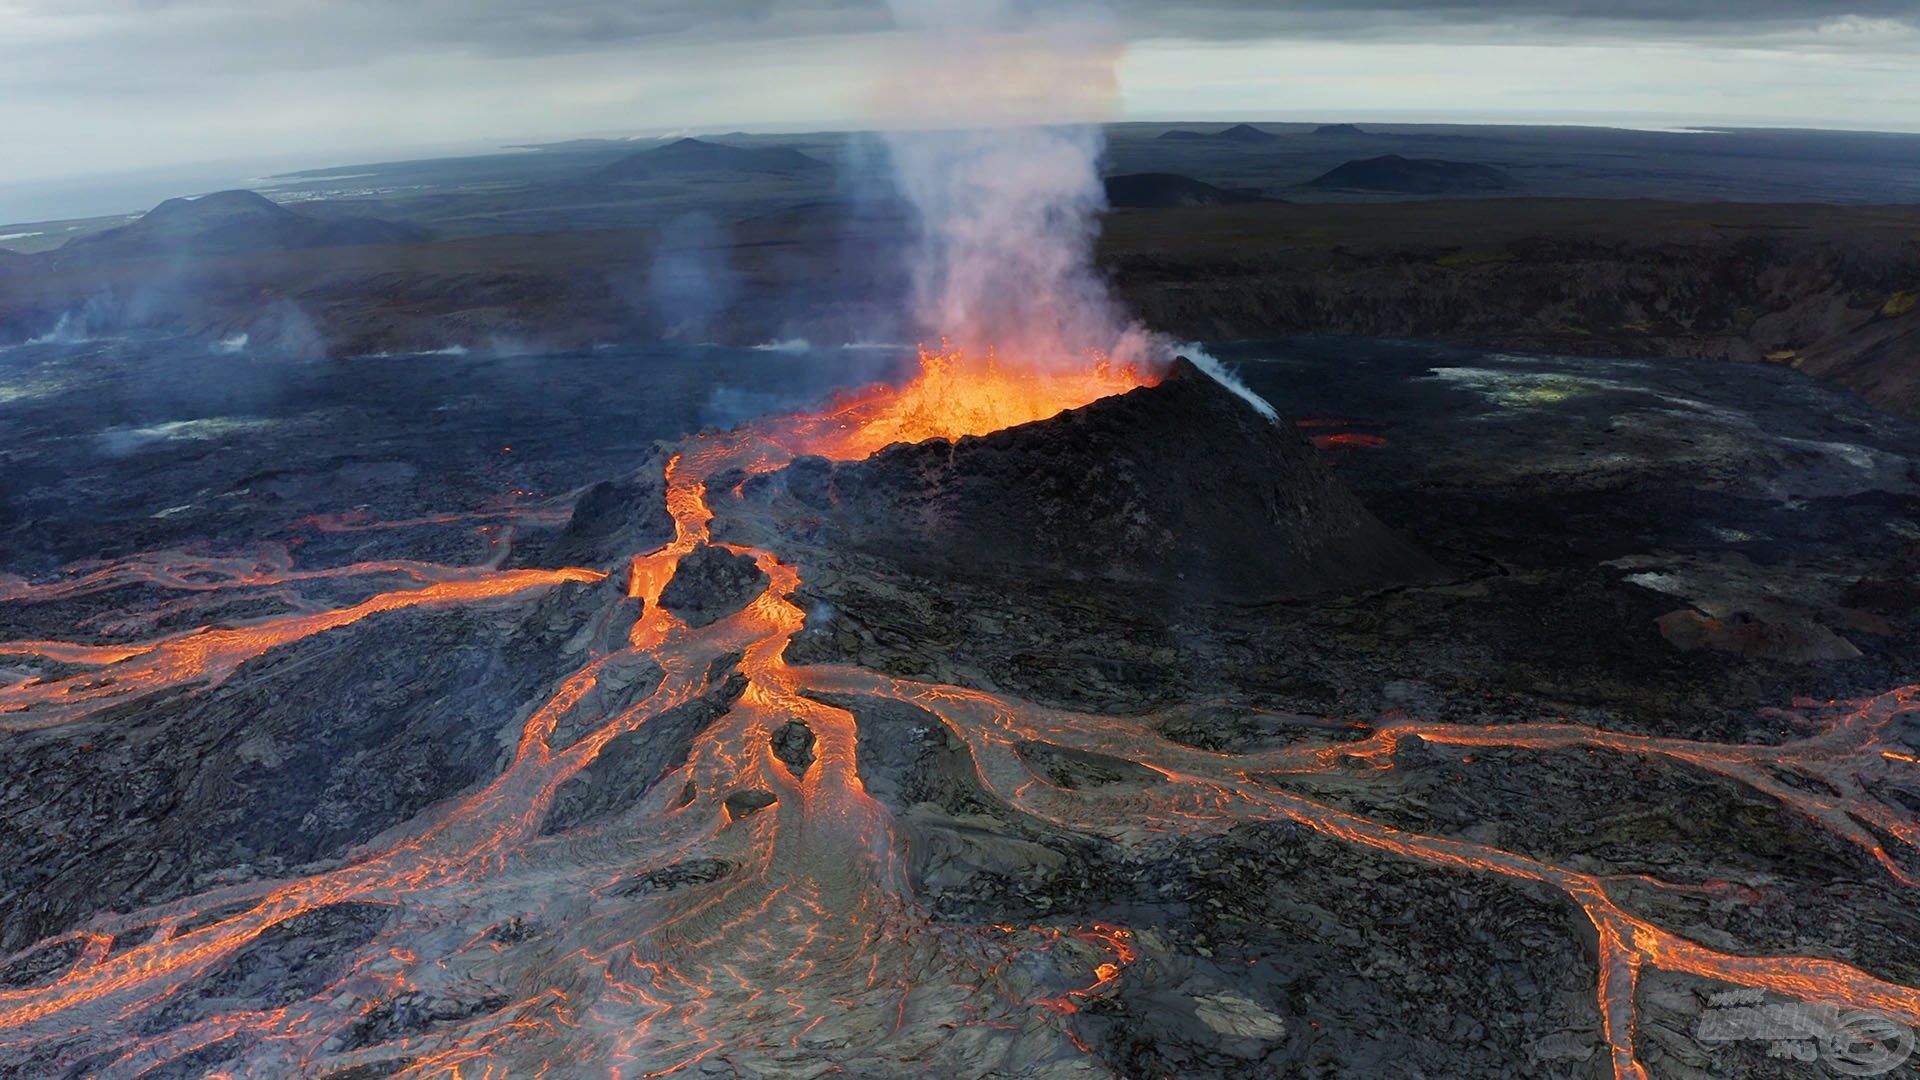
x=692 y=925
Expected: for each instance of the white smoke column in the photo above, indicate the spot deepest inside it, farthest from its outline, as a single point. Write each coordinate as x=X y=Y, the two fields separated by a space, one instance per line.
x=991 y=121
x=1210 y=364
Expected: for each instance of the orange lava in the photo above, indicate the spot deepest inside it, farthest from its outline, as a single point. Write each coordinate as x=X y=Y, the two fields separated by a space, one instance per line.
x=1339 y=434
x=956 y=394
x=1348 y=440
x=209 y=655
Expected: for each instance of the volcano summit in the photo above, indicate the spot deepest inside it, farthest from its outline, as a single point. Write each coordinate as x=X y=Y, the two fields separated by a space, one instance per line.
x=1183 y=484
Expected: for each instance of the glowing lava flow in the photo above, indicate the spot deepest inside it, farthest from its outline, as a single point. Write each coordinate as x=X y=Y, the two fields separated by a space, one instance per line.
x=955 y=394
x=1204 y=790
x=208 y=656
x=755 y=914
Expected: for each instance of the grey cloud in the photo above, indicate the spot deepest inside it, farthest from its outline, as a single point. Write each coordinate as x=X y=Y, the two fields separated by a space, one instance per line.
x=1729 y=20
x=103 y=46
x=1721 y=11
x=89 y=85
x=296 y=30
x=513 y=24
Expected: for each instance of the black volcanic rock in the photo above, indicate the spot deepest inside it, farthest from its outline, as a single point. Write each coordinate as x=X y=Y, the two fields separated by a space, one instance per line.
x=612 y=520
x=793 y=744
x=1162 y=190
x=710 y=584
x=287 y=962
x=692 y=156
x=1413 y=176
x=742 y=804
x=246 y=763
x=235 y=221
x=1184 y=484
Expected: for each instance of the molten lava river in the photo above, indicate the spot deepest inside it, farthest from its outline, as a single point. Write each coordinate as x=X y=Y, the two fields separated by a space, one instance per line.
x=696 y=934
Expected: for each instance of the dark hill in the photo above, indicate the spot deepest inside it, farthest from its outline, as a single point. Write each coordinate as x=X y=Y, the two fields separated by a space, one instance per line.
x=1411 y=176
x=1183 y=484
x=692 y=156
x=1247 y=133
x=1338 y=129
x=1242 y=133
x=234 y=221
x=1163 y=190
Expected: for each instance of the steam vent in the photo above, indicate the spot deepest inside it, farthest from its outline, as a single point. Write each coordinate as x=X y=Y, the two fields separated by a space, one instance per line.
x=1183 y=484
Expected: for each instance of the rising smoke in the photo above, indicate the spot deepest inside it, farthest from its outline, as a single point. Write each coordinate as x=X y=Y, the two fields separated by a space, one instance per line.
x=992 y=134
x=690 y=277
x=993 y=138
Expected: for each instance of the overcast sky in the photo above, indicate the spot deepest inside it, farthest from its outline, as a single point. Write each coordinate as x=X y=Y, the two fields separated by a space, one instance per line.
x=91 y=86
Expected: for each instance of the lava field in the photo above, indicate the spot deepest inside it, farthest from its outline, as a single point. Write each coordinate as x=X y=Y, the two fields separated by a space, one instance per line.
x=1477 y=715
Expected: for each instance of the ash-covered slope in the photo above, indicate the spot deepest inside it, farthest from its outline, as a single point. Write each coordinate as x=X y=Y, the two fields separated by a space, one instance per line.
x=1183 y=484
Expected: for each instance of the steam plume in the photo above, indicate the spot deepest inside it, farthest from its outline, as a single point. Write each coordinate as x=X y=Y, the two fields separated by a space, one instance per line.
x=992 y=135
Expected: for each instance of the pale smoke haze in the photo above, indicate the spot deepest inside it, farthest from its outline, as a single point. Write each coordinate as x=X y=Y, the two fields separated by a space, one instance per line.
x=990 y=122
x=996 y=145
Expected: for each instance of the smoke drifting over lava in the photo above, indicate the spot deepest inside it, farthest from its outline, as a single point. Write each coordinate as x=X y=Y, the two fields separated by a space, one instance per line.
x=991 y=139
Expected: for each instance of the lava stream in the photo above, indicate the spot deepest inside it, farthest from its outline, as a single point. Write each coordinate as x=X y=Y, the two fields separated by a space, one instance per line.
x=210 y=655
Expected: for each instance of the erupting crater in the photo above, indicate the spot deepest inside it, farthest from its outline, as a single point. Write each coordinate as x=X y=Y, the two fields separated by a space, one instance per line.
x=955 y=394
x=1179 y=482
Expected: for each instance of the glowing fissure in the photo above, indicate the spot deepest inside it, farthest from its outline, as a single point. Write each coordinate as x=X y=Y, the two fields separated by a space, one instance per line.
x=810 y=915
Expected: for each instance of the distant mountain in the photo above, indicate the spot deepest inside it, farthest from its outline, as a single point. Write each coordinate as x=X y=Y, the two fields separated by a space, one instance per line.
x=689 y=156
x=1411 y=176
x=1338 y=129
x=1241 y=133
x=1163 y=190
x=234 y=221
x=570 y=145
x=1247 y=133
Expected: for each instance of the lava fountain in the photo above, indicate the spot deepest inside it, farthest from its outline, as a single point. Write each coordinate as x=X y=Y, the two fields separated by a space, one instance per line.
x=989 y=134
x=954 y=394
